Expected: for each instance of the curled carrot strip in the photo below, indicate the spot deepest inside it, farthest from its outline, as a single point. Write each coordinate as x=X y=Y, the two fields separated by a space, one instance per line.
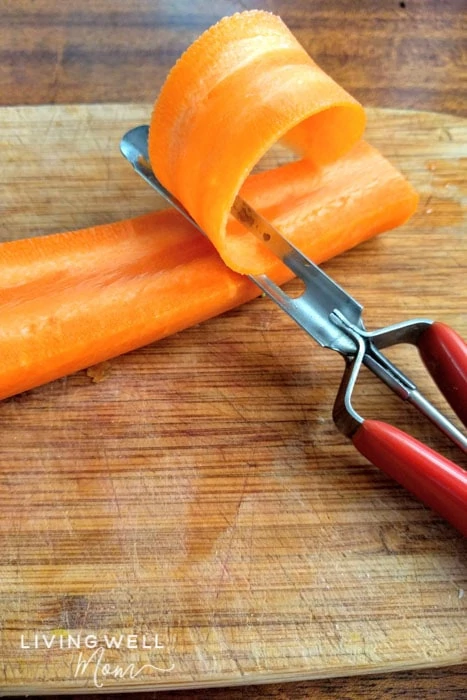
x=242 y=86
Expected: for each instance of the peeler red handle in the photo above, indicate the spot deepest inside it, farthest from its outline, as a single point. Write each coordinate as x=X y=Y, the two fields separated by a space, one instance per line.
x=436 y=481
x=445 y=356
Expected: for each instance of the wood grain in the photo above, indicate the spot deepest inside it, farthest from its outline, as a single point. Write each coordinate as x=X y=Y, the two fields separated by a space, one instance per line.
x=446 y=683
x=197 y=488
x=386 y=53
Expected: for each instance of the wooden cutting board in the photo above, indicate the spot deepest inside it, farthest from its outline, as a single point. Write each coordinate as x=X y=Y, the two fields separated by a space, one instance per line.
x=192 y=501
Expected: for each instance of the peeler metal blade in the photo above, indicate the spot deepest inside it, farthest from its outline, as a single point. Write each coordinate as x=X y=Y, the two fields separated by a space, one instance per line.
x=312 y=310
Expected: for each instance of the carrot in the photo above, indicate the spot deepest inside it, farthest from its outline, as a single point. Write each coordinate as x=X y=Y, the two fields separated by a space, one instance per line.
x=71 y=300
x=242 y=86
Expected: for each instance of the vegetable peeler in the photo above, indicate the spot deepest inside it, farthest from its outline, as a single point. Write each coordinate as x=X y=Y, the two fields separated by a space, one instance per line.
x=334 y=319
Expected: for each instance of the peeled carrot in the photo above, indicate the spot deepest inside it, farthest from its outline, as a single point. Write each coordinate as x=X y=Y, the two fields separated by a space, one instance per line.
x=71 y=300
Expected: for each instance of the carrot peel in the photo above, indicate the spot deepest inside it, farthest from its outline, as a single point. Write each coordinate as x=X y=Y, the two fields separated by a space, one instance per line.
x=242 y=86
